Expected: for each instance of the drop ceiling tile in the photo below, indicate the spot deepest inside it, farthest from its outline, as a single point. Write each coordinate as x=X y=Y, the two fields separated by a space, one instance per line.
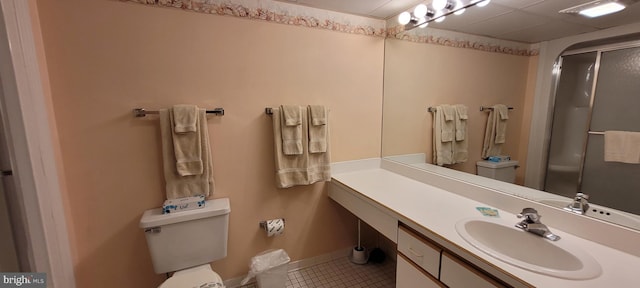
x=551 y=30
x=496 y=26
x=551 y=7
x=517 y=4
x=471 y=16
x=393 y=8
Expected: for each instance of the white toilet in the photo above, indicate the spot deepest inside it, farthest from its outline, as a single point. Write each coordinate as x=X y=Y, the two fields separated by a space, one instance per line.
x=186 y=242
x=503 y=171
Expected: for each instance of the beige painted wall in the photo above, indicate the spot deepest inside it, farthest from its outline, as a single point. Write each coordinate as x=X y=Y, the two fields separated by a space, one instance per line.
x=106 y=57
x=418 y=76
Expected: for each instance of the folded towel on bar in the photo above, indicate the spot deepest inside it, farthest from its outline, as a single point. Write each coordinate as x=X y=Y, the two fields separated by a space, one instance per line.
x=460 y=145
x=447 y=125
x=186 y=145
x=622 y=146
x=501 y=122
x=490 y=146
x=442 y=150
x=177 y=186
x=317 y=129
x=304 y=168
x=291 y=127
x=184 y=118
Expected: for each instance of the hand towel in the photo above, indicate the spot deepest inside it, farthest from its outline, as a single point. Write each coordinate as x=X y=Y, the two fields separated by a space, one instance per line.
x=442 y=150
x=489 y=146
x=302 y=169
x=501 y=122
x=177 y=186
x=186 y=146
x=319 y=164
x=447 y=125
x=461 y=121
x=460 y=146
x=185 y=117
x=317 y=129
x=291 y=129
x=622 y=146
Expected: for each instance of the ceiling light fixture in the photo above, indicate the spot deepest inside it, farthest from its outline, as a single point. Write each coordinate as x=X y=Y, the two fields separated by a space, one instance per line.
x=601 y=10
x=421 y=15
x=596 y=8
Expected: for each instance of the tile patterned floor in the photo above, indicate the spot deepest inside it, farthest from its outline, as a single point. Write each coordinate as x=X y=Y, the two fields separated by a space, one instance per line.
x=341 y=273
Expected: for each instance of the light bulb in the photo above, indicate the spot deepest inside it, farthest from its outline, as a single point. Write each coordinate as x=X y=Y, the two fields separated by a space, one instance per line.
x=458 y=6
x=404 y=18
x=483 y=3
x=439 y=4
x=439 y=17
x=424 y=22
x=420 y=11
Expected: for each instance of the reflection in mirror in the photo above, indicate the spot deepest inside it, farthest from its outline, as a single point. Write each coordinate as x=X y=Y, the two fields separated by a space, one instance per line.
x=418 y=76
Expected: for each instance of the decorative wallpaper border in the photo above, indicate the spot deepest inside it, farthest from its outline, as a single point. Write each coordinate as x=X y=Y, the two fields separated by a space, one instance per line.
x=279 y=12
x=462 y=40
x=297 y=15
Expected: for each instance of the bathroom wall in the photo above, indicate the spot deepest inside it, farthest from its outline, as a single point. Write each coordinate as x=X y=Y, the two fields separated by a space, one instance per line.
x=104 y=58
x=418 y=76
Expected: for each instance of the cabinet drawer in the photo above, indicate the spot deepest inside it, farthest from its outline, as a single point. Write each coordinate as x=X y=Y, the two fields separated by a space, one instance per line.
x=408 y=275
x=457 y=274
x=425 y=254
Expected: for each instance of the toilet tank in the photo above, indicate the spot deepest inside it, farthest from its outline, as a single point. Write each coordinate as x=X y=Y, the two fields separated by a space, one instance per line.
x=503 y=171
x=189 y=238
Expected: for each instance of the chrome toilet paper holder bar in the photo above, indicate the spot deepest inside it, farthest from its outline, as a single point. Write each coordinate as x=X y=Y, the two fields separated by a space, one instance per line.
x=263 y=224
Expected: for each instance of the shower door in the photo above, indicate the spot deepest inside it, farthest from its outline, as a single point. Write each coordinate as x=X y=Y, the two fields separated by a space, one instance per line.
x=583 y=110
x=570 y=119
x=616 y=106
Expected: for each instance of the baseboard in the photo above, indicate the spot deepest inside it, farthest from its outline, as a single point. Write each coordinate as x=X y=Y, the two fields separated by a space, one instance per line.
x=296 y=265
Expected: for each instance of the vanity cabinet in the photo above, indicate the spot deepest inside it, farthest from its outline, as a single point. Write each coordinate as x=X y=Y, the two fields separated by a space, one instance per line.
x=422 y=263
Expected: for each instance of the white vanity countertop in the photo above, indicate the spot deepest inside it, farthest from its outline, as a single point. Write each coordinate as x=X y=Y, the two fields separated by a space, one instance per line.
x=438 y=211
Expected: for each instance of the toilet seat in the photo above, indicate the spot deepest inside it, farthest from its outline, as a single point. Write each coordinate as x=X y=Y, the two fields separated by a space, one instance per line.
x=195 y=277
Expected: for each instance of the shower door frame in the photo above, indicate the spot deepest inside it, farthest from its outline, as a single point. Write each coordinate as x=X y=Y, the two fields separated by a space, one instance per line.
x=599 y=49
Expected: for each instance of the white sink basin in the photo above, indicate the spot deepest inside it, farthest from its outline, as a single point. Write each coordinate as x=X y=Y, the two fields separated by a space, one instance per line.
x=599 y=213
x=514 y=246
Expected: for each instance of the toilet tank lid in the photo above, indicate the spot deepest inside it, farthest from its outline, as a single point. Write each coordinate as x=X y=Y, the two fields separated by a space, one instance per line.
x=494 y=165
x=155 y=218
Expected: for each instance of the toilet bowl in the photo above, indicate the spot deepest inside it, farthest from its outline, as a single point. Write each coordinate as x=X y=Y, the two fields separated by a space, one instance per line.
x=199 y=276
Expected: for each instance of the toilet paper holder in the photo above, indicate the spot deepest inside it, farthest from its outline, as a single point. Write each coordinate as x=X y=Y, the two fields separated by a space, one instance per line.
x=263 y=224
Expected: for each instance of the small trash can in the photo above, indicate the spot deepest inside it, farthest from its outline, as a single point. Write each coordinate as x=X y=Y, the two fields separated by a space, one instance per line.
x=270 y=269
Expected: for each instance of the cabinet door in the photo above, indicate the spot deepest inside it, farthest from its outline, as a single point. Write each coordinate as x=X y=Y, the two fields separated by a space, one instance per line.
x=410 y=276
x=457 y=274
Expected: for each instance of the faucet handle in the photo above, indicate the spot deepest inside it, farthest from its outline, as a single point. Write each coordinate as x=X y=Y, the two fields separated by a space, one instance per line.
x=531 y=215
x=580 y=196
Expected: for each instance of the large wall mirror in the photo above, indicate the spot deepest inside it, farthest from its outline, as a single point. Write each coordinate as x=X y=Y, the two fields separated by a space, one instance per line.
x=592 y=86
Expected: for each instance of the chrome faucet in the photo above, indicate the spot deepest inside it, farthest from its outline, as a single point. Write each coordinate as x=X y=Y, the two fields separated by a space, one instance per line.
x=580 y=205
x=531 y=223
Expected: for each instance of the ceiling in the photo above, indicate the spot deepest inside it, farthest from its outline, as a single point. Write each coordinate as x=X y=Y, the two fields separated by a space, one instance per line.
x=528 y=21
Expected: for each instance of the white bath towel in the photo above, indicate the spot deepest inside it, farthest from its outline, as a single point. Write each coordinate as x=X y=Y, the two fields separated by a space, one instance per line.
x=501 y=122
x=317 y=129
x=302 y=169
x=291 y=127
x=622 y=146
x=442 y=150
x=460 y=145
x=489 y=146
x=186 y=144
x=177 y=186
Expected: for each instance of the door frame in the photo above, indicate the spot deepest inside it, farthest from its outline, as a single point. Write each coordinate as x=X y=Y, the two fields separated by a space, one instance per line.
x=35 y=172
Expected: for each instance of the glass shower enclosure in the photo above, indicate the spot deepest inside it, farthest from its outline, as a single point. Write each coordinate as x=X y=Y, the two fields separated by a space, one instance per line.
x=598 y=90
